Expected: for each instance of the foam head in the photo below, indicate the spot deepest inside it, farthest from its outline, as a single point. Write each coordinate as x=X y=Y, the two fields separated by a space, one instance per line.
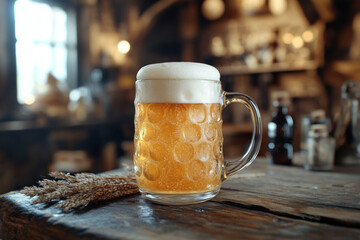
x=178 y=70
x=178 y=82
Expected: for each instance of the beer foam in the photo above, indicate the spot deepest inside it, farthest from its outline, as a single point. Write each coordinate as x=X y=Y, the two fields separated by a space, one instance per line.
x=178 y=70
x=178 y=82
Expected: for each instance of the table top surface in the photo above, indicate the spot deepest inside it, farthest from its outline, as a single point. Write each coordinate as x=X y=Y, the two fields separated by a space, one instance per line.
x=261 y=202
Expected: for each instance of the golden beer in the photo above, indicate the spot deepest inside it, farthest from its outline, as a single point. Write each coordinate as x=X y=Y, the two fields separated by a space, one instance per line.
x=178 y=132
x=178 y=147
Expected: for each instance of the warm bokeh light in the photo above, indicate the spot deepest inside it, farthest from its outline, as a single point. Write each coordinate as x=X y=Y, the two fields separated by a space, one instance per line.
x=297 y=42
x=123 y=46
x=30 y=99
x=213 y=9
x=287 y=38
x=277 y=7
x=217 y=46
x=308 y=36
x=252 y=5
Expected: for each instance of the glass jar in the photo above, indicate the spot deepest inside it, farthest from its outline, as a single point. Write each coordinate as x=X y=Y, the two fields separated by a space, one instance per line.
x=320 y=154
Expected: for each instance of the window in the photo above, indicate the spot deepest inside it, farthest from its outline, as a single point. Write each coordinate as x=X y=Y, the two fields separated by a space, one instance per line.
x=42 y=46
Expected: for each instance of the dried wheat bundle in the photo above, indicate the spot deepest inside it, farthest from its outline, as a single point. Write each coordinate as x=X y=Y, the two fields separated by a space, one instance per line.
x=81 y=189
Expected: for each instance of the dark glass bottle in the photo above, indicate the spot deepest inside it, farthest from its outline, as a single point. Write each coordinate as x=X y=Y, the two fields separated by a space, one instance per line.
x=281 y=133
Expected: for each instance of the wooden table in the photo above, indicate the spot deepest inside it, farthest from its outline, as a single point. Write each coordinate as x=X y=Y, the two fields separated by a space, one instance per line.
x=261 y=202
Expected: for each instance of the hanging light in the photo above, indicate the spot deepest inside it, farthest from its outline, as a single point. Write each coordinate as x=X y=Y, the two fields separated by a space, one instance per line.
x=277 y=7
x=213 y=9
x=297 y=42
x=124 y=46
x=308 y=36
x=287 y=38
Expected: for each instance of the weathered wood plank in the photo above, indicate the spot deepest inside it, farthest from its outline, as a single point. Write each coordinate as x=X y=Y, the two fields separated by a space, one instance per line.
x=318 y=196
x=292 y=208
x=262 y=202
x=338 y=189
x=136 y=218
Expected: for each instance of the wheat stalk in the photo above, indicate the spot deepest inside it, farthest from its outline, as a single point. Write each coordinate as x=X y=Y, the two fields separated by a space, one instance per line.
x=81 y=189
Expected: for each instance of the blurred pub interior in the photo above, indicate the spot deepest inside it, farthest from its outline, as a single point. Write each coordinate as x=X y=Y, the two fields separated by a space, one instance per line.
x=68 y=67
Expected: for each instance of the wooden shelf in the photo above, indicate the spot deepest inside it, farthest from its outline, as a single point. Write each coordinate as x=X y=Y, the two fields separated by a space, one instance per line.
x=237 y=69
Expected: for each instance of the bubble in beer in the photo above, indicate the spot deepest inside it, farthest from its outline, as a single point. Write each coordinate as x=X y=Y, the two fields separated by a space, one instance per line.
x=214 y=112
x=196 y=170
x=220 y=132
x=142 y=149
x=137 y=131
x=217 y=149
x=176 y=114
x=216 y=167
x=160 y=152
x=210 y=131
x=140 y=112
x=183 y=151
x=197 y=113
x=191 y=132
x=204 y=151
x=169 y=132
x=155 y=113
x=137 y=166
x=175 y=175
x=151 y=170
x=147 y=131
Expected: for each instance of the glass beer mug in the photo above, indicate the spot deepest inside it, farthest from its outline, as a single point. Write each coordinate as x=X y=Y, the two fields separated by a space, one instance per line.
x=178 y=132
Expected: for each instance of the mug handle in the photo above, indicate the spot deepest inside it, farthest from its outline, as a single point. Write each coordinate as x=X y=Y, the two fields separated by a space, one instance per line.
x=232 y=167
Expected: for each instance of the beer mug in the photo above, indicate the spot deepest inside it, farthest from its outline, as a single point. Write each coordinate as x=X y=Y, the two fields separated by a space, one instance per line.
x=178 y=132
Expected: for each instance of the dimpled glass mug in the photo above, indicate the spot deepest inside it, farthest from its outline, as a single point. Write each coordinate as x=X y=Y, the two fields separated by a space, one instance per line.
x=178 y=132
